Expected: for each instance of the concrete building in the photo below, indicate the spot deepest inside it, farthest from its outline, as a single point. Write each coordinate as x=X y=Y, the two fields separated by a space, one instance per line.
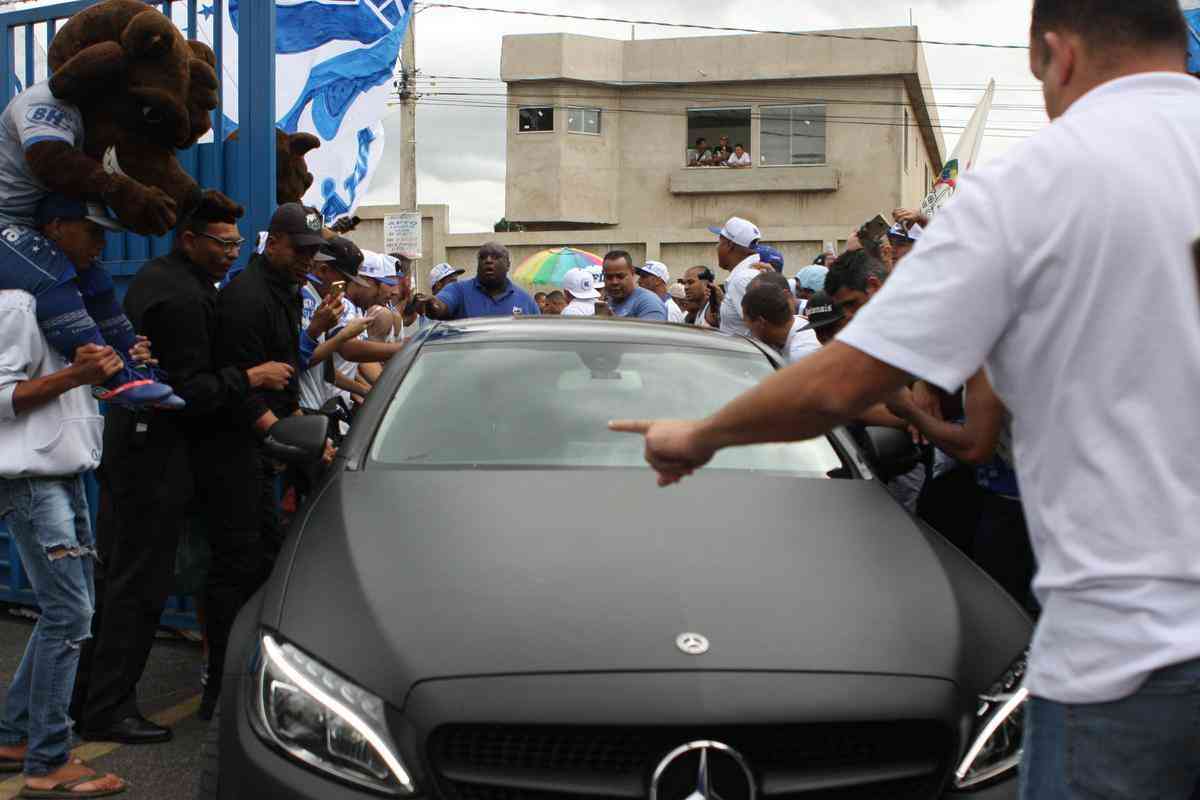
x=839 y=126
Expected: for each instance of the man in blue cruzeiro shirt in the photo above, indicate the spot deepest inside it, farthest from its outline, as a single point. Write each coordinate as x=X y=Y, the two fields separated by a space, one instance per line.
x=489 y=294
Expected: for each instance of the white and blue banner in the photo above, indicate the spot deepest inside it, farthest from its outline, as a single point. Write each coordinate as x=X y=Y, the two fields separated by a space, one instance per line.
x=1191 y=10
x=334 y=67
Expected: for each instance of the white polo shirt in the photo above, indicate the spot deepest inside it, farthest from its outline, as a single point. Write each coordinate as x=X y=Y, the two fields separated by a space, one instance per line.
x=735 y=290
x=1018 y=273
x=800 y=343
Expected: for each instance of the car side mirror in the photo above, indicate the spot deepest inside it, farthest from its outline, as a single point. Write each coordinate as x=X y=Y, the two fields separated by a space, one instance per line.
x=890 y=452
x=298 y=440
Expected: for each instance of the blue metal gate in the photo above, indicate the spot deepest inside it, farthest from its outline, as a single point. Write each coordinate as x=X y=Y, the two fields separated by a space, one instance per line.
x=243 y=169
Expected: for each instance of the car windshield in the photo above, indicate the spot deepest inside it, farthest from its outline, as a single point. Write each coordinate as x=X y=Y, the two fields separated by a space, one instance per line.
x=519 y=404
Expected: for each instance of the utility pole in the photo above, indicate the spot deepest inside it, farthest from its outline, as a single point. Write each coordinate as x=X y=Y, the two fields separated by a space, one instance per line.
x=408 y=119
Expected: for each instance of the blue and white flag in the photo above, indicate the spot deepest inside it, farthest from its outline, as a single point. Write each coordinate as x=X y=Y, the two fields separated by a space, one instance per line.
x=1191 y=10
x=334 y=67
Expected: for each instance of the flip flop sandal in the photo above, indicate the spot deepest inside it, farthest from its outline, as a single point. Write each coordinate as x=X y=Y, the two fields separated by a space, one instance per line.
x=63 y=791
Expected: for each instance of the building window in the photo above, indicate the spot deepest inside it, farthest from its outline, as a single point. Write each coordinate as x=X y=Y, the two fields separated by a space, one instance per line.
x=537 y=119
x=583 y=120
x=719 y=128
x=792 y=136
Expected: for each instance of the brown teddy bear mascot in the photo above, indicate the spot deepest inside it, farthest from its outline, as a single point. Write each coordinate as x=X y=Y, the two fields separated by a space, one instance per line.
x=126 y=92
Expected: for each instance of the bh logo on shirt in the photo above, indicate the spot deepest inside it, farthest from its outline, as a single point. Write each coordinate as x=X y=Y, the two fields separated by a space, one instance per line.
x=48 y=115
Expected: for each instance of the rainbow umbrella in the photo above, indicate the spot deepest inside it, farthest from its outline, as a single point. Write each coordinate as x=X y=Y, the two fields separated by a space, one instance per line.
x=549 y=267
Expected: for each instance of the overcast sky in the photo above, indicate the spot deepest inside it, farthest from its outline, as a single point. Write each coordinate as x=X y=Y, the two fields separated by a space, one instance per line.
x=460 y=150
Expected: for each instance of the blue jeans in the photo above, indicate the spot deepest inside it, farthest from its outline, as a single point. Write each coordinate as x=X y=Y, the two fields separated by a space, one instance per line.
x=48 y=520
x=1142 y=747
x=73 y=309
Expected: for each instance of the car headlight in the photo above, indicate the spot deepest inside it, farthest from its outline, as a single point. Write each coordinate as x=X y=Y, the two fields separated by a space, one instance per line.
x=999 y=727
x=324 y=720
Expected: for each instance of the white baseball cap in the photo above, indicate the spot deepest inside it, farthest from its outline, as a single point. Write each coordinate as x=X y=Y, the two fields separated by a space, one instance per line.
x=580 y=284
x=380 y=267
x=597 y=271
x=677 y=291
x=443 y=271
x=741 y=232
x=657 y=269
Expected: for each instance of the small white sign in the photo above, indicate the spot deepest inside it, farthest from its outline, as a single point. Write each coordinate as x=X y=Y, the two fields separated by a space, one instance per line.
x=402 y=234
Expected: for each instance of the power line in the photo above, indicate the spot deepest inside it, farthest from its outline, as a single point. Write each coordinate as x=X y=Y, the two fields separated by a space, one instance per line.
x=996 y=132
x=721 y=28
x=955 y=87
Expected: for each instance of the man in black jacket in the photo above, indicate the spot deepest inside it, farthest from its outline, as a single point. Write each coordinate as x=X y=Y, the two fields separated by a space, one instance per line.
x=147 y=473
x=258 y=319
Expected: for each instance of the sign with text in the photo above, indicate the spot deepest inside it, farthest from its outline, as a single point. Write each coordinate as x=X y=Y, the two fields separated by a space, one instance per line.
x=402 y=234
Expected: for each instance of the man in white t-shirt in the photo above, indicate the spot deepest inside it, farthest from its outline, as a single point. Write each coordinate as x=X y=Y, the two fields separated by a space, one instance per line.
x=1008 y=275
x=739 y=159
x=736 y=252
x=580 y=289
x=769 y=310
x=654 y=276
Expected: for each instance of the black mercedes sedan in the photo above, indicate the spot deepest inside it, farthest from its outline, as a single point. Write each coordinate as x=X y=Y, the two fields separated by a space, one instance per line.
x=489 y=599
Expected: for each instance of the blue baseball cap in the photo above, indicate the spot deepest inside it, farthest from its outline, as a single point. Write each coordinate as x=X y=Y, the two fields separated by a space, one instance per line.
x=58 y=206
x=812 y=278
x=769 y=255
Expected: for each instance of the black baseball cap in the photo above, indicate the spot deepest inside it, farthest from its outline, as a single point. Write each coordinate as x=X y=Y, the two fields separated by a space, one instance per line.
x=302 y=225
x=344 y=256
x=822 y=312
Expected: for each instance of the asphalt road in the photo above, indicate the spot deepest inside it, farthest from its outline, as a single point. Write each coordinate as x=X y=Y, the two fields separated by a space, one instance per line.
x=168 y=693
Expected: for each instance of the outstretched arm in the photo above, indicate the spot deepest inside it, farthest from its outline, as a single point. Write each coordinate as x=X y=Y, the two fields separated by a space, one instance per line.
x=805 y=400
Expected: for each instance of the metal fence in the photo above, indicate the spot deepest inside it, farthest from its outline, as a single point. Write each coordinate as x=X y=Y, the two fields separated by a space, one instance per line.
x=243 y=169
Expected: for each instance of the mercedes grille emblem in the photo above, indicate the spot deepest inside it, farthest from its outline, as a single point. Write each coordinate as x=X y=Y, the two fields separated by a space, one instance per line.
x=702 y=771
x=692 y=643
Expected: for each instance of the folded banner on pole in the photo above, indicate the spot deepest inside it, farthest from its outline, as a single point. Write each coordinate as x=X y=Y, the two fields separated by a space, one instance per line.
x=1191 y=10
x=964 y=156
x=335 y=62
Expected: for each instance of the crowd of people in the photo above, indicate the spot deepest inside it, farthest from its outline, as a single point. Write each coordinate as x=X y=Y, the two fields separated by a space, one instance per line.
x=722 y=155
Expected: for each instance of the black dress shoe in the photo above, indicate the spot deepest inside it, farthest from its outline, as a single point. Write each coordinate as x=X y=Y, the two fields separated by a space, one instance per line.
x=131 y=730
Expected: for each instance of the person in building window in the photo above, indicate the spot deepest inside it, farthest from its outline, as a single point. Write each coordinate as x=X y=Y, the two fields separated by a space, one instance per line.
x=700 y=155
x=740 y=159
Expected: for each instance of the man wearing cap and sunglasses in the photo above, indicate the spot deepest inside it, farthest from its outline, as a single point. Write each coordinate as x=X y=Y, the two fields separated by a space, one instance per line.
x=655 y=277
x=328 y=318
x=258 y=320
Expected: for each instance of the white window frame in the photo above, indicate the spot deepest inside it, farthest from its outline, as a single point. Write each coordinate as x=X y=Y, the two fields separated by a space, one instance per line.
x=599 y=120
x=553 y=119
x=825 y=158
x=692 y=143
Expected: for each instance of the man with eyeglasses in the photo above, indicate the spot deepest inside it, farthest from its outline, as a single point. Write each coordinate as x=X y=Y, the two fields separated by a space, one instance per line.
x=147 y=472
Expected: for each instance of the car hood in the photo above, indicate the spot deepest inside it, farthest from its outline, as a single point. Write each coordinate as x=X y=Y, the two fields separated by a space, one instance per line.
x=401 y=576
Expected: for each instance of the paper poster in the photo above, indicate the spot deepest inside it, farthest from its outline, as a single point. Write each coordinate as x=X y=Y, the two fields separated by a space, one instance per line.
x=402 y=234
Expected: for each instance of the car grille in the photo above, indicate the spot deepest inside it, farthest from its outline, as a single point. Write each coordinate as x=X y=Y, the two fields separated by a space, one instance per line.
x=892 y=761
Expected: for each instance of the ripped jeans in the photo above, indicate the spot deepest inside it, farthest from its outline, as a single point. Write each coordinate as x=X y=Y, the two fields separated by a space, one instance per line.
x=48 y=520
